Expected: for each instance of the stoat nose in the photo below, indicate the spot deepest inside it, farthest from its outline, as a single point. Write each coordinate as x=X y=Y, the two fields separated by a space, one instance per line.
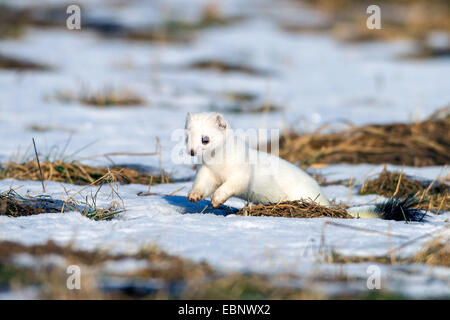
x=192 y=152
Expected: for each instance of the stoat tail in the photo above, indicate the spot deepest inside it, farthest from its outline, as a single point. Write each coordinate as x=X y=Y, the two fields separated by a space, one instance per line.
x=364 y=212
x=391 y=209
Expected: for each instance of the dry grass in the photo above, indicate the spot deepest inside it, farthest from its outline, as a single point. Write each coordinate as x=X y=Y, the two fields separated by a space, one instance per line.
x=14 y=21
x=244 y=103
x=399 y=18
x=247 y=108
x=73 y=173
x=12 y=208
x=77 y=173
x=225 y=67
x=11 y=63
x=22 y=17
x=8 y=249
x=52 y=281
x=254 y=109
x=243 y=97
x=104 y=98
x=13 y=205
x=193 y=280
x=177 y=278
x=48 y=128
x=160 y=34
x=295 y=209
x=250 y=286
x=96 y=213
x=433 y=196
x=11 y=23
x=151 y=254
x=211 y=16
x=175 y=30
x=418 y=144
x=392 y=209
x=435 y=252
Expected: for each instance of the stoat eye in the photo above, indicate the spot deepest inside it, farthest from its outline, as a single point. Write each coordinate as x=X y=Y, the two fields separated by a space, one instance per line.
x=205 y=140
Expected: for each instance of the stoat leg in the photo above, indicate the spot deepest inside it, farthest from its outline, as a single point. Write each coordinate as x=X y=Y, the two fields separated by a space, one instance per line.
x=204 y=185
x=232 y=186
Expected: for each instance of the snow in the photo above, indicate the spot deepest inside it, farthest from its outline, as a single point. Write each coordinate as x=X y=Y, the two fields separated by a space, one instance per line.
x=29 y=293
x=316 y=79
x=127 y=265
x=26 y=260
x=228 y=242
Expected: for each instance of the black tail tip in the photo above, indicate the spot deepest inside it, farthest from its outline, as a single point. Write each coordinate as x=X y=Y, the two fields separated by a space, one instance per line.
x=401 y=209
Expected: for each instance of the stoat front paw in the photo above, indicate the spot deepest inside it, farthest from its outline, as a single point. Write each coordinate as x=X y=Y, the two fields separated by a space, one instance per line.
x=194 y=196
x=217 y=200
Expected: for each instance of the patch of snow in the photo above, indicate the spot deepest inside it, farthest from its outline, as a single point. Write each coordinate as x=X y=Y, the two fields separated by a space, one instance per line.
x=128 y=265
x=26 y=260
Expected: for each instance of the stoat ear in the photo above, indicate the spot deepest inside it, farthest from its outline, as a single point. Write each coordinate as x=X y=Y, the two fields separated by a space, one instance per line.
x=188 y=119
x=221 y=122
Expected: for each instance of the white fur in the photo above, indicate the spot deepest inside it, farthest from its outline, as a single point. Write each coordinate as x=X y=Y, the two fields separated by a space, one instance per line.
x=226 y=172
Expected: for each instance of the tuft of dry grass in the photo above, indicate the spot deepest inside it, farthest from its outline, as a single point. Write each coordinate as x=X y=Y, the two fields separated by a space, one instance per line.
x=11 y=63
x=101 y=214
x=48 y=128
x=244 y=102
x=432 y=196
x=224 y=67
x=13 y=208
x=246 y=108
x=77 y=173
x=14 y=205
x=295 y=209
x=104 y=98
x=211 y=16
x=11 y=23
x=435 y=252
x=243 y=97
x=417 y=144
x=160 y=34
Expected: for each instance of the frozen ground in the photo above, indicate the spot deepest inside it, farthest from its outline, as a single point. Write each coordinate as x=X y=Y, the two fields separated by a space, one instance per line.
x=316 y=79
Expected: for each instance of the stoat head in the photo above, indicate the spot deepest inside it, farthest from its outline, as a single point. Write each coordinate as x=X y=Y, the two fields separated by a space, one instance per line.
x=205 y=132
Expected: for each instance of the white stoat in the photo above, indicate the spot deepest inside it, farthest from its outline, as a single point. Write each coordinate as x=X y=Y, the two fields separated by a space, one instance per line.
x=229 y=167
